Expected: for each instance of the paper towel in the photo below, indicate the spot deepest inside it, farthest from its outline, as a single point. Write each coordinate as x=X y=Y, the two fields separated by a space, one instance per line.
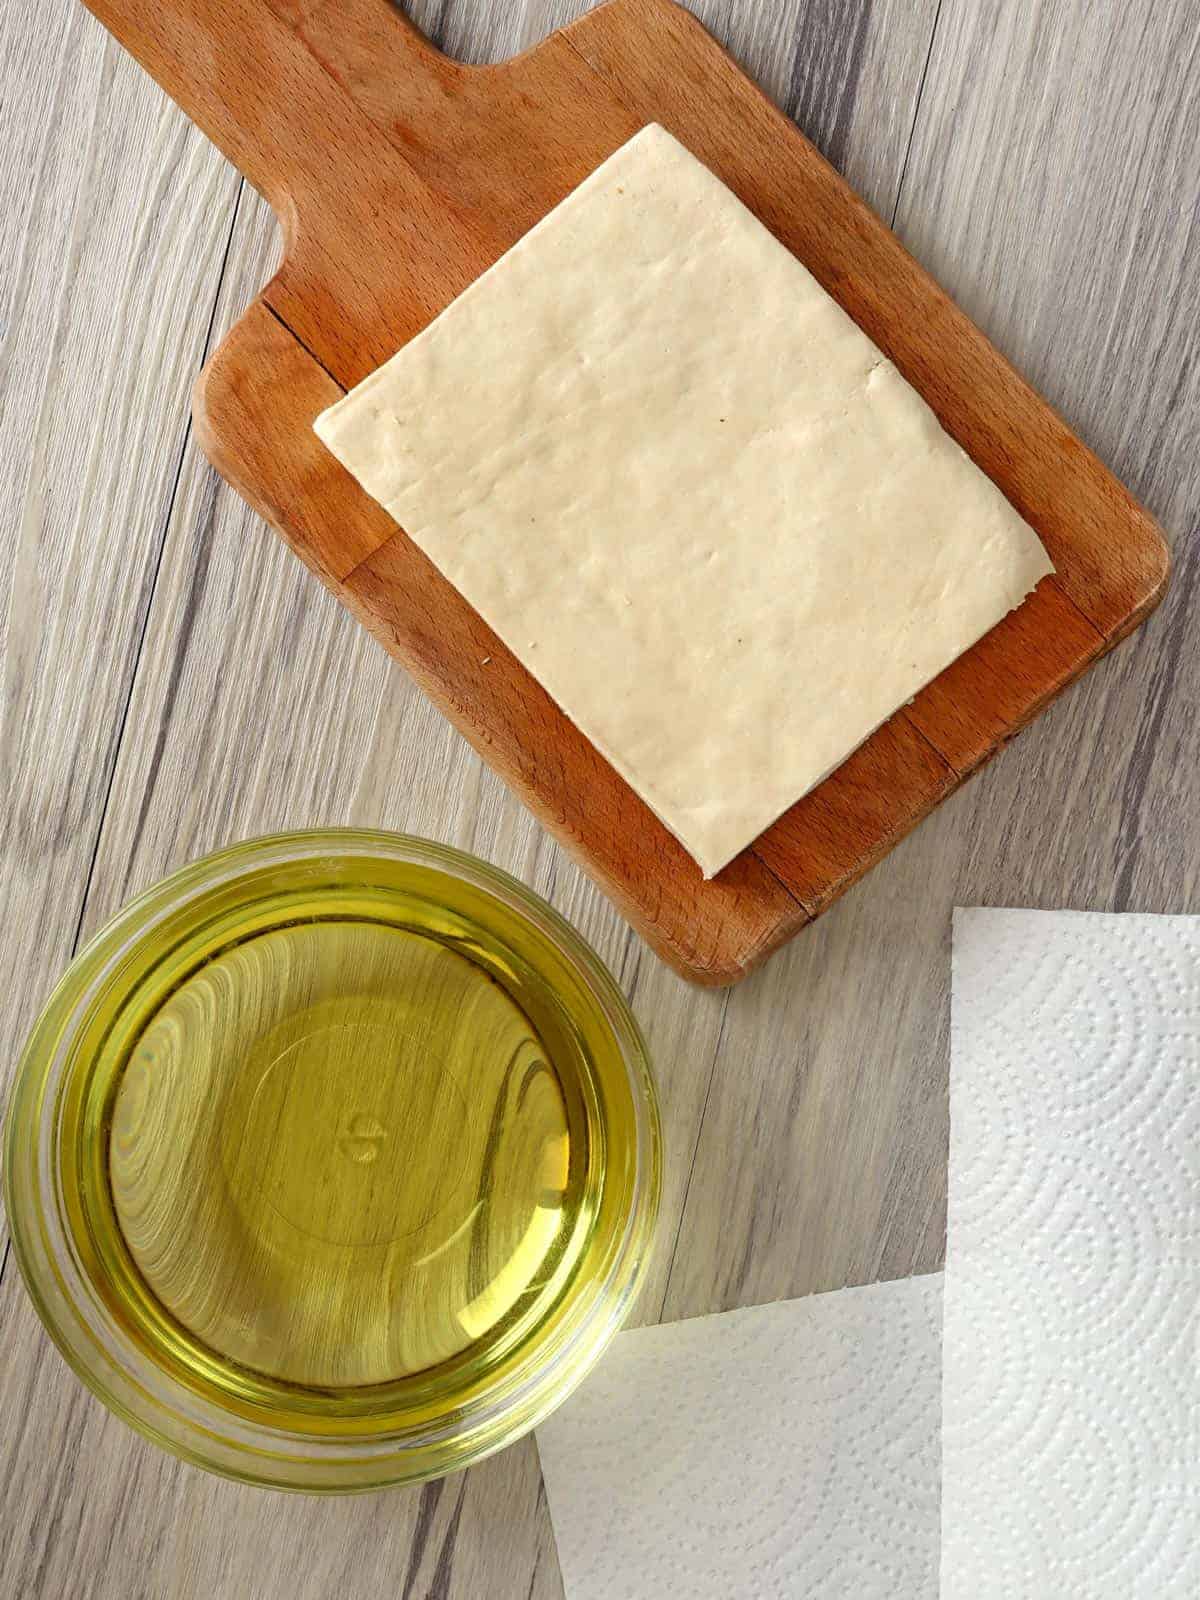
x=784 y=1450
x=1072 y=1296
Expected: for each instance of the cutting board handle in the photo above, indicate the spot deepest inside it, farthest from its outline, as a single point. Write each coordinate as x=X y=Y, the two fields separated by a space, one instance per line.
x=245 y=73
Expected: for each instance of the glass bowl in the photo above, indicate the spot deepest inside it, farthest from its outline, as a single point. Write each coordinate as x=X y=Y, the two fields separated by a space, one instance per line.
x=333 y=1161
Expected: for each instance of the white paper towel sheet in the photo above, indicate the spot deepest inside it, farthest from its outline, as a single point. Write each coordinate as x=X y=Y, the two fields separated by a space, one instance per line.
x=1072 y=1296
x=784 y=1450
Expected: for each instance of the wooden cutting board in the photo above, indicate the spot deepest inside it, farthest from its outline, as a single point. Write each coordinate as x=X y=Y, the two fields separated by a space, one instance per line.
x=398 y=176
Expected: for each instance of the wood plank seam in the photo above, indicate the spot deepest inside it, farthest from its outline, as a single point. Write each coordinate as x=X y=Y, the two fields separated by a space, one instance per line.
x=912 y=131
x=313 y=356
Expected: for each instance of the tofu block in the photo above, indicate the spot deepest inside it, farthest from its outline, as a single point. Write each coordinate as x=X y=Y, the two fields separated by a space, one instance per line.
x=688 y=493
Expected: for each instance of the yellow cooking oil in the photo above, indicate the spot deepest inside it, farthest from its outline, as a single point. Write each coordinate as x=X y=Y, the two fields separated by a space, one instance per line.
x=351 y=1138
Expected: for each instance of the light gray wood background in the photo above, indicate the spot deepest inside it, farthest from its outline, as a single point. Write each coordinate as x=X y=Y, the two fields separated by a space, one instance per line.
x=171 y=679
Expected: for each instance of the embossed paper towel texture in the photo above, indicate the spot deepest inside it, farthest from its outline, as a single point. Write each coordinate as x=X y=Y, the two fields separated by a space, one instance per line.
x=785 y=1450
x=1072 y=1298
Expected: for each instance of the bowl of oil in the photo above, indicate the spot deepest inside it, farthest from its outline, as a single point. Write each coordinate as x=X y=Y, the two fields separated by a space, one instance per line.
x=333 y=1161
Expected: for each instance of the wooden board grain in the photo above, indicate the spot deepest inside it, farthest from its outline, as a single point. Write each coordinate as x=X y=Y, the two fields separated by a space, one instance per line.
x=400 y=175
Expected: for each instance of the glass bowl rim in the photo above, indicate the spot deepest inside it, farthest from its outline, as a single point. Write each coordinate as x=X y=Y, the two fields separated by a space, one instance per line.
x=255 y=1453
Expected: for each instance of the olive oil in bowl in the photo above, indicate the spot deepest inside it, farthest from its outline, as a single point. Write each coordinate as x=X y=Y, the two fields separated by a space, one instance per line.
x=333 y=1161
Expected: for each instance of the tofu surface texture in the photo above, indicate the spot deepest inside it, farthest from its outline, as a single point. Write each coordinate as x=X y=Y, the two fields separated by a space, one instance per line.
x=688 y=493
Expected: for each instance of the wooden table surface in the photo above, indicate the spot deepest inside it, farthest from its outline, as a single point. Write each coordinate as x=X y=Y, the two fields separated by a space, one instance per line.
x=172 y=679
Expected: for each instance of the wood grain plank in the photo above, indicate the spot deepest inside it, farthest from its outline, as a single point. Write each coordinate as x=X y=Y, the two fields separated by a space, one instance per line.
x=114 y=215
x=342 y=736
x=1081 y=254
x=302 y=141
x=1054 y=186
